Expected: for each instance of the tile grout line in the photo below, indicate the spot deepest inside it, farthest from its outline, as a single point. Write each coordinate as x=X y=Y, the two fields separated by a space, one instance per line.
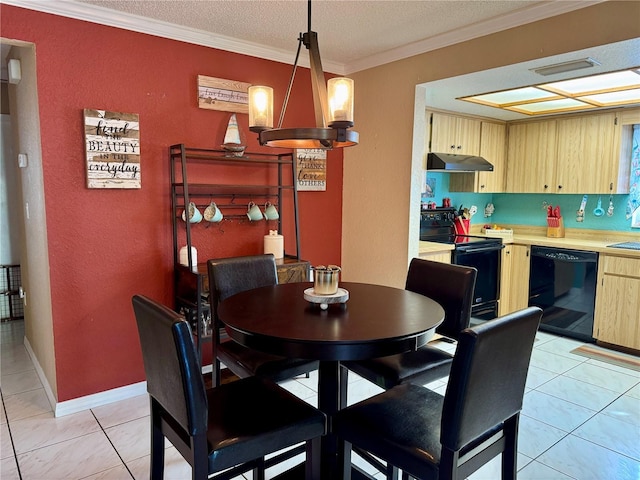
x=13 y=445
x=112 y=446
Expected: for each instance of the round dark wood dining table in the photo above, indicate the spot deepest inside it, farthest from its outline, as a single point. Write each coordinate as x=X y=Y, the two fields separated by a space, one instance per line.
x=374 y=322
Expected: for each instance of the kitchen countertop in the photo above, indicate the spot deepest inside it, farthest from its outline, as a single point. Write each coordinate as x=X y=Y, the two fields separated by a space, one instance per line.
x=595 y=243
x=600 y=246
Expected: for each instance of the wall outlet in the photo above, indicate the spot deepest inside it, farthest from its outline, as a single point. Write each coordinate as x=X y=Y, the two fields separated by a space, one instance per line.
x=23 y=160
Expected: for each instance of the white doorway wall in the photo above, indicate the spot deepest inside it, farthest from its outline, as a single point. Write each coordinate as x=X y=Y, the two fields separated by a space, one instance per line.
x=26 y=210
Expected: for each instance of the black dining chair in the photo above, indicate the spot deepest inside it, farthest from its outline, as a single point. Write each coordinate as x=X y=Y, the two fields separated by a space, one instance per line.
x=430 y=437
x=228 y=276
x=232 y=426
x=452 y=287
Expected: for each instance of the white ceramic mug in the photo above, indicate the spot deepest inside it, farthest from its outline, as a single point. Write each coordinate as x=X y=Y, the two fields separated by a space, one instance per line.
x=271 y=212
x=194 y=214
x=253 y=212
x=212 y=213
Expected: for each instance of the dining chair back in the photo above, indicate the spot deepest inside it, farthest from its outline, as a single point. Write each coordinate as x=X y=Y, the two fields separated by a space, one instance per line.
x=452 y=287
x=428 y=436
x=229 y=427
x=227 y=277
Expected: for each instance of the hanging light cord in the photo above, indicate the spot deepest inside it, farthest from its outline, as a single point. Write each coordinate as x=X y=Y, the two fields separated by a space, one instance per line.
x=295 y=67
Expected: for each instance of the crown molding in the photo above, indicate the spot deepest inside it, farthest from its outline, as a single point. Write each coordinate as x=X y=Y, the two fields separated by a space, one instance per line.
x=159 y=28
x=136 y=23
x=531 y=14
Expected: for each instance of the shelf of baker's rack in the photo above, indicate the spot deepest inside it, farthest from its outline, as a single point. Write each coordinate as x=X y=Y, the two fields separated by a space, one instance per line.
x=180 y=151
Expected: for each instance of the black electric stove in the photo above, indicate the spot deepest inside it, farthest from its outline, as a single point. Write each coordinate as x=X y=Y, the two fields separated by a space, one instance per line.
x=437 y=225
x=483 y=253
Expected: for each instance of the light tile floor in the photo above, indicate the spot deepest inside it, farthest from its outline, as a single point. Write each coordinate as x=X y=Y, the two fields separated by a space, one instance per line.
x=581 y=420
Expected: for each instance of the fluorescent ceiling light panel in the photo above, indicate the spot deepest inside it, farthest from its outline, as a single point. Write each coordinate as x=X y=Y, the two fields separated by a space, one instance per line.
x=613 y=98
x=552 y=106
x=596 y=91
x=510 y=97
x=596 y=83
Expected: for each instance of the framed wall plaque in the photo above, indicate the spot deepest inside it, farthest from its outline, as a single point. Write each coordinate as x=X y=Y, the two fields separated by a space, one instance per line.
x=112 y=146
x=221 y=94
x=311 y=165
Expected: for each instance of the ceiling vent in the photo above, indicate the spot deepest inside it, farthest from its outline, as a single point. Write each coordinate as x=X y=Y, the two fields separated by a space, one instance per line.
x=566 y=66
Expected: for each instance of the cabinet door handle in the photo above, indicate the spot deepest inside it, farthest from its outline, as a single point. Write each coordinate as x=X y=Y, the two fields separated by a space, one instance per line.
x=559 y=187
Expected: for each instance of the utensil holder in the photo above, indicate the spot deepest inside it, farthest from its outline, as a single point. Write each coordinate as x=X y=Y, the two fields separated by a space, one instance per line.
x=555 y=227
x=462 y=226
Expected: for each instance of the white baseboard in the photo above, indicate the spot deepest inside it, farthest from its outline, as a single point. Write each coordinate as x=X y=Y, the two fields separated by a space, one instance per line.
x=89 y=401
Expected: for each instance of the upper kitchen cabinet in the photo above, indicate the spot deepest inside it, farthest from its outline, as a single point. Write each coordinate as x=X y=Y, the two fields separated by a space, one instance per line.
x=575 y=154
x=531 y=150
x=454 y=134
x=585 y=160
x=493 y=148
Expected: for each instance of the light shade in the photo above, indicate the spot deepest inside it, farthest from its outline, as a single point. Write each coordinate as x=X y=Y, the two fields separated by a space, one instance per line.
x=340 y=93
x=260 y=108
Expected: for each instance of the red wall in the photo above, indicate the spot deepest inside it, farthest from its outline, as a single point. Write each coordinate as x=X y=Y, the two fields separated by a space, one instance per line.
x=106 y=245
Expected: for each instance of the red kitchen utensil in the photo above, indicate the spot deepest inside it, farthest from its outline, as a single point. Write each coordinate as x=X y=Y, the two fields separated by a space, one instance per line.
x=549 y=211
x=556 y=211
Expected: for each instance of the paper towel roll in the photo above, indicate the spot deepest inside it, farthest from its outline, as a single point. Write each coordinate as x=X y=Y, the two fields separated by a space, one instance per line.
x=274 y=243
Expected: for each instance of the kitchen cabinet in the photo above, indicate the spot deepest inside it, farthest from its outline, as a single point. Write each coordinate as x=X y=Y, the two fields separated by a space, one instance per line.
x=585 y=154
x=574 y=154
x=442 y=257
x=531 y=150
x=617 y=311
x=454 y=134
x=514 y=278
x=493 y=147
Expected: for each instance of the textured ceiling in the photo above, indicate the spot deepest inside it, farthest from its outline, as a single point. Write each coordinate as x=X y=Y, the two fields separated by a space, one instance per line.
x=348 y=30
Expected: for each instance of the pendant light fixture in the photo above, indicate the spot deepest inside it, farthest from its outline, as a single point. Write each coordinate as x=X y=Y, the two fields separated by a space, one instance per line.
x=333 y=111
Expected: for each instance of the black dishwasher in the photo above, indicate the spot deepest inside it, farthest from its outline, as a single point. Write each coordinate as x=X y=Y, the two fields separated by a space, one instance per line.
x=563 y=284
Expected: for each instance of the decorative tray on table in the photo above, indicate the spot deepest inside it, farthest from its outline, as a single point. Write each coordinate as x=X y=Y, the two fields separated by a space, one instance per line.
x=341 y=296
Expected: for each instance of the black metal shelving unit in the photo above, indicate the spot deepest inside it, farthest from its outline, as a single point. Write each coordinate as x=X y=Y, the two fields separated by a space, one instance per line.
x=191 y=282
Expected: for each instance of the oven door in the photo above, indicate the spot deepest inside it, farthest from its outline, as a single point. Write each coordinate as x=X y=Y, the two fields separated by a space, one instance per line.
x=485 y=259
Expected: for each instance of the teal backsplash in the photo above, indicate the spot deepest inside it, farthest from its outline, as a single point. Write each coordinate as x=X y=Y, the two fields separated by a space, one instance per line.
x=527 y=208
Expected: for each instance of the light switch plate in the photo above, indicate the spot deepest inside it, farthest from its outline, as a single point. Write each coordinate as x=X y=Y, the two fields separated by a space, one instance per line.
x=22 y=160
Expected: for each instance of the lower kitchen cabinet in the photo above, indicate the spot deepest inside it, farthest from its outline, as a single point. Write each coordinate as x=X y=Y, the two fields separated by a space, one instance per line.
x=617 y=313
x=514 y=278
x=442 y=257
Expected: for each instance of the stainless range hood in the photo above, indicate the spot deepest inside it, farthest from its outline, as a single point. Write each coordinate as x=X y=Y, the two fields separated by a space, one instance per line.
x=446 y=162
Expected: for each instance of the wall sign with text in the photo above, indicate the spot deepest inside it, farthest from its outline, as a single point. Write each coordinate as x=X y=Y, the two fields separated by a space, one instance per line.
x=112 y=149
x=224 y=95
x=311 y=164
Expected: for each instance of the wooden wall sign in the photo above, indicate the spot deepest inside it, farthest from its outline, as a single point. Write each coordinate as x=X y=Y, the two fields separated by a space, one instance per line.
x=311 y=166
x=225 y=95
x=112 y=149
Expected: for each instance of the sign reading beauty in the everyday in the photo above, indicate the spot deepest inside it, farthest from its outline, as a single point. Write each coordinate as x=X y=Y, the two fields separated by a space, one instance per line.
x=224 y=95
x=113 y=149
x=311 y=169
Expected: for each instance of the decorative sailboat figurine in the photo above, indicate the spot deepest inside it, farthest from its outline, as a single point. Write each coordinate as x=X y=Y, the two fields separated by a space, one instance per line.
x=232 y=142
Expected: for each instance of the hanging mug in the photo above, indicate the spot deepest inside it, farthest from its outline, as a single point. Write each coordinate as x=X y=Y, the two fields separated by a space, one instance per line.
x=194 y=214
x=212 y=213
x=271 y=212
x=253 y=212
